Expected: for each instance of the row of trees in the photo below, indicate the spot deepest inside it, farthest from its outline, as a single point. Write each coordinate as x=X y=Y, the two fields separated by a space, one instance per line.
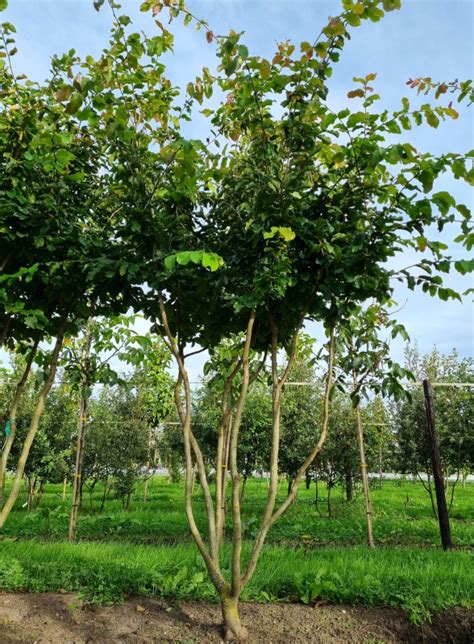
x=289 y=211
x=128 y=434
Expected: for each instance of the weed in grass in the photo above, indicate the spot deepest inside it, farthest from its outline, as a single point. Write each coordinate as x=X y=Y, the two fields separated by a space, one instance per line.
x=310 y=588
x=12 y=576
x=416 y=607
x=101 y=590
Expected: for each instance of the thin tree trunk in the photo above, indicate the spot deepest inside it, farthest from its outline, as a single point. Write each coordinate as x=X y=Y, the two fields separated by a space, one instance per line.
x=316 y=497
x=271 y=516
x=210 y=556
x=329 y=488
x=81 y=430
x=104 y=495
x=223 y=496
x=12 y=418
x=37 y=413
x=31 y=482
x=63 y=498
x=453 y=487
x=365 y=477
x=76 y=486
x=380 y=466
x=222 y=459
x=40 y=494
x=233 y=629
x=148 y=465
x=433 y=504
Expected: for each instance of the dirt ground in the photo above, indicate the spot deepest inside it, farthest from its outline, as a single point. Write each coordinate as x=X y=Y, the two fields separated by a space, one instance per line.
x=60 y=619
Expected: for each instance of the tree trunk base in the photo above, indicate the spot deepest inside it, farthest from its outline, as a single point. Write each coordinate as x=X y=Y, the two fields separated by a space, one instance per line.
x=232 y=629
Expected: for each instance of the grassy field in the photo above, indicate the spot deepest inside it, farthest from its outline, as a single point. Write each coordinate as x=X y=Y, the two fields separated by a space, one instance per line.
x=147 y=550
x=402 y=516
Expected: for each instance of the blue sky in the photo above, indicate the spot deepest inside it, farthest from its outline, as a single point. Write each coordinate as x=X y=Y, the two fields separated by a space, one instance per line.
x=426 y=38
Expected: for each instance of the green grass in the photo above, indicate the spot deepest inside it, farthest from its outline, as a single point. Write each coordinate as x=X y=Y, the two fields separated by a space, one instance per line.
x=148 y=551
x=402 y=516
x=419 y=580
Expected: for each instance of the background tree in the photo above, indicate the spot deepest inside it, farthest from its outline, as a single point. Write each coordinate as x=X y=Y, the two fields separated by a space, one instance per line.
x=453 y=415
x=301 y=410
x=56 y=213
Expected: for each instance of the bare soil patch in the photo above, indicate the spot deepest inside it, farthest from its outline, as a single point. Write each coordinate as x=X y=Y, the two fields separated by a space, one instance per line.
x=61 y=619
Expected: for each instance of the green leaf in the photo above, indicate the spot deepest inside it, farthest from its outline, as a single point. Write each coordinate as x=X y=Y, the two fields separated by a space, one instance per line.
x=444 y=201
x=287 y=234
x=391 y=5
x=431 y=118
x=64 y=157
x=464 y=266
x=334 y=28
x=426 y=179
x=170 y=262
x=212 y=261
x=3 y=5
x=76 y=176
x=393 y=127
x=421 y=243
x=74 y=104
x=354 y=119
x=184 y=257
x=328 y=120
x=374 y=14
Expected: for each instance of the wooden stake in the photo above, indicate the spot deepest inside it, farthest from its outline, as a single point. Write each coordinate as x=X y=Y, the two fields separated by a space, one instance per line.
x=443 y=518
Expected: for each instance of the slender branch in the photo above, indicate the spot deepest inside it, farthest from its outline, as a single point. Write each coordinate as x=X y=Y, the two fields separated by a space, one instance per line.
x=209 y=557
x=33 y=428
x=234 y=437
x=12 y=417
x=194 y=353
x=258 y=370
x=269 y=518
x=5 y=262
x=221 y=462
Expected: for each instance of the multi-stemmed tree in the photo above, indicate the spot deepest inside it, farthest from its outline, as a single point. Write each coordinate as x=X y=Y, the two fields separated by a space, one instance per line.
x=303 y=209
x=293 y=218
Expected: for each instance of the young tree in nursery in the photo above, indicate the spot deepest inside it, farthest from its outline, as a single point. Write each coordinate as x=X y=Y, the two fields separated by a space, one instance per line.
x=58 y=255
x=154 y=387
x=50 y=455
x=453 y=414
x=87 y=363
x=117 y=442
x=294 y=219
x=366 y=368
x=301 y=409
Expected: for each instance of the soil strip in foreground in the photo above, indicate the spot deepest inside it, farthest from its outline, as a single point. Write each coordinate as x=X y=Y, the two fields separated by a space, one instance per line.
x=60 y=618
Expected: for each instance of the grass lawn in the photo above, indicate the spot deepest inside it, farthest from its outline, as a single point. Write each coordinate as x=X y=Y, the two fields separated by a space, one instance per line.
x=148 y=551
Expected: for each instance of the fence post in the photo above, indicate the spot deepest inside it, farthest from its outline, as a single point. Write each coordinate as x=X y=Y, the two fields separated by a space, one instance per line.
x=444 y=527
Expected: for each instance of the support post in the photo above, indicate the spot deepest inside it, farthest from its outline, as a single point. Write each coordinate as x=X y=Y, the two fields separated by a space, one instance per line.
x=444 y=527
